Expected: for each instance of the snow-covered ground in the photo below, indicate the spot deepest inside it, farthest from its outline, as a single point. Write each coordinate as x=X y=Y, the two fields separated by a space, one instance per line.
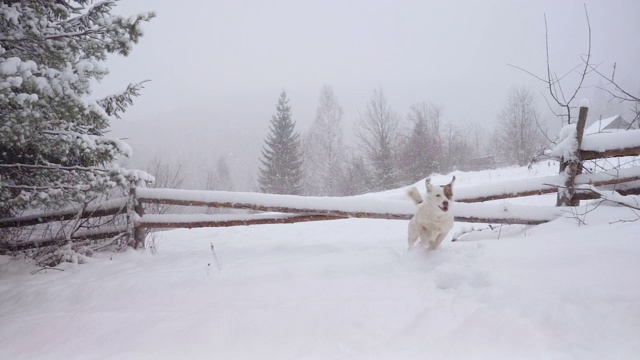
x=344 y=289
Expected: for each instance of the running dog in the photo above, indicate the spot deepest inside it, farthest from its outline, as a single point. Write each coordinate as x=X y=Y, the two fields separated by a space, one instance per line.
x=433 y=218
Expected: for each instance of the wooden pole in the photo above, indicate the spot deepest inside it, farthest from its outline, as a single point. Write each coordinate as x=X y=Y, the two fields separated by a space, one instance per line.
x=573 y=166
x=139 y=233
x=135 y=234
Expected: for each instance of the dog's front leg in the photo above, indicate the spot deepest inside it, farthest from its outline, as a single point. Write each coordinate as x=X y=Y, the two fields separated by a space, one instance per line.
x=436 y=242
x=413 y=234
x=427 y=238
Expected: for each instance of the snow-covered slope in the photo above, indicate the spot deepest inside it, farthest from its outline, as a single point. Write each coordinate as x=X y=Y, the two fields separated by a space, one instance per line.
x=344 y=289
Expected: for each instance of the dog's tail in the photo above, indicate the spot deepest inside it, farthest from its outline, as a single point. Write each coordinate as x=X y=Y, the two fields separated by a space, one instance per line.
x=414 y=194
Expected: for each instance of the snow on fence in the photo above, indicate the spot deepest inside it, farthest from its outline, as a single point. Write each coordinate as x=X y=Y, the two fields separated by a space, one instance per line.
x=470 y=206
x=548 y=185
x=107 y=208
x=319 y=208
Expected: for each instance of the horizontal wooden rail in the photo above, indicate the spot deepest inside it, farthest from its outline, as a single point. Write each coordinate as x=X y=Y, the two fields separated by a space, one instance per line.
x=86 y=235
x=112 y=207
x=316 y=207
x=170 y=222
x=278 y=209
x=547 y=185
x=598 y=146
x=500 y=220
x=593 y=154
x=348 y=207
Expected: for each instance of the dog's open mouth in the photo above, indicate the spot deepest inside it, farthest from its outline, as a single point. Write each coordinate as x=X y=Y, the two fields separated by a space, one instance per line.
x=444 y=208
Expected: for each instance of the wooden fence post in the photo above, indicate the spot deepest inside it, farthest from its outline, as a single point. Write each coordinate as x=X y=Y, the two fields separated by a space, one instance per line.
x=135 y=234
x=139 y=233
x=573 y=166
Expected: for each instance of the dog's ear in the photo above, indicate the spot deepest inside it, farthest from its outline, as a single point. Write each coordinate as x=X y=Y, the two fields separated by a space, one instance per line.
x=448 y=189
x=427 y=184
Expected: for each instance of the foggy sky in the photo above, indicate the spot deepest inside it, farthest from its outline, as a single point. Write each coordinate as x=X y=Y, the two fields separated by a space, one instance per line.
x=217 y=68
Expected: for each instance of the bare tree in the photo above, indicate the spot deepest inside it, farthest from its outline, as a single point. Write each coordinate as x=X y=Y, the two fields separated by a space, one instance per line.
x=421 y=153
x=356 y=179
x=517 y=135
x=562 y=97
x=378 y=134
x=220 y=177
x=619 y=94
x=167 y=176
x=324 y=152
x=456 y=148
x=478 y=136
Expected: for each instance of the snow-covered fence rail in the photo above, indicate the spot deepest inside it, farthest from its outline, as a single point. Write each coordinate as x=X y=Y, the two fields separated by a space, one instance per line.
x=548 y=185
x=610 y=145
x=78 y=223
x=190 y=221
x=96 y=234
x=574 y=148
x=351 y=206
x=108 y=208
x=277 y=209
x=306 y=208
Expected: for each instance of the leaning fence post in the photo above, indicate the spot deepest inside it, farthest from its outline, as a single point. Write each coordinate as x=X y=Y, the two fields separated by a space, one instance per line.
x=573 y=166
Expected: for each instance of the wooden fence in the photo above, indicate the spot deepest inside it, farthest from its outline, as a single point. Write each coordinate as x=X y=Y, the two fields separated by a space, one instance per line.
x=290 y=209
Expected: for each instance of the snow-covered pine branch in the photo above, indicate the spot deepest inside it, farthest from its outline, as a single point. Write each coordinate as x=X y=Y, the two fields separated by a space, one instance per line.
x=50 y=52
x=117 y=104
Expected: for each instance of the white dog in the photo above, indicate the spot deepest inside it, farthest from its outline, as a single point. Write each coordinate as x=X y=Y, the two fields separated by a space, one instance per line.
x=433 y=218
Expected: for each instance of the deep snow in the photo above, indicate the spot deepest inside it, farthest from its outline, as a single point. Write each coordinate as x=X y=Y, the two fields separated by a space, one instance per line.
x=341 y=289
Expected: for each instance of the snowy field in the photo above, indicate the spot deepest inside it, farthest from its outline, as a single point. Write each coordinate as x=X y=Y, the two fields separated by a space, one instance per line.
x=344 y=289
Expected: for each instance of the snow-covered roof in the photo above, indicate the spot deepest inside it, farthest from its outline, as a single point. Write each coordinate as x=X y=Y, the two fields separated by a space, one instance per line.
x=611 y=124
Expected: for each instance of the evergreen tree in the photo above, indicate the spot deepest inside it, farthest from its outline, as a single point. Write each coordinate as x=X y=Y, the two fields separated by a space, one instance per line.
x=52 y=145
x=281 y=170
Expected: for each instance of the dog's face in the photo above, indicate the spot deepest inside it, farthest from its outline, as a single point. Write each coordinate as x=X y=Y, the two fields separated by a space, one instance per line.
x=440 y=196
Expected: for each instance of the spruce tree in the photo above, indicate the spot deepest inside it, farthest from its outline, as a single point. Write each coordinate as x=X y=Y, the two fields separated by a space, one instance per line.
x=281 y=170
x=53 y=148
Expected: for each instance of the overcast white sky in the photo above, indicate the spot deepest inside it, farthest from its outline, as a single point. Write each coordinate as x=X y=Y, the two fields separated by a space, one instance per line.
x=218 y=67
